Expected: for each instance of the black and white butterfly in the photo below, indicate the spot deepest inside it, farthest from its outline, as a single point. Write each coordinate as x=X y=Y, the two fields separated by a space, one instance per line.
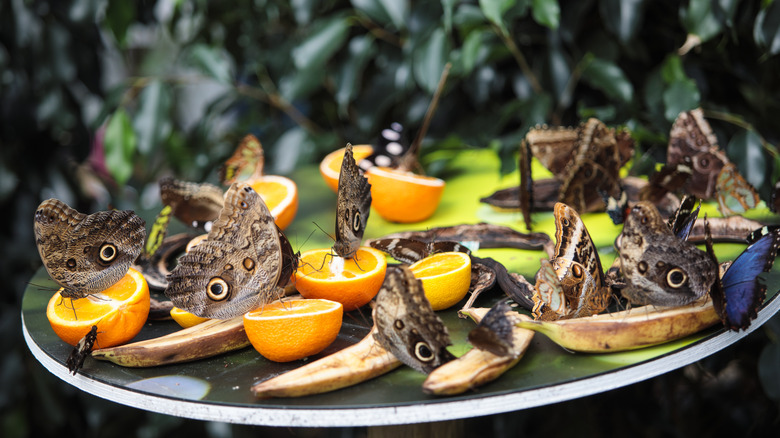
x=412 y=250
x=391 y=146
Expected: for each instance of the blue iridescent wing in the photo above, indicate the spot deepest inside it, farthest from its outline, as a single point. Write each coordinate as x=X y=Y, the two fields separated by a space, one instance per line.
x=743 y=288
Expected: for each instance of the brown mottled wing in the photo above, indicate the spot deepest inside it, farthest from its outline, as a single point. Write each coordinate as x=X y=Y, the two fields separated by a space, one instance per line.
x=659 y=268
x=554 y=147
x=692 y=143
x=86 y=253
x=247 y=158
x=734 y=194
x=572 y=242
x=406 y=324
x=237 y=267
x=352 y=208
x=195 y=204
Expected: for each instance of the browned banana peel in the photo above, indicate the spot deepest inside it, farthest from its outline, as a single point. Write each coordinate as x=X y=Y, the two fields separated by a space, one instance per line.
x=477 y=367
x=200 y=341
x=627 y=330
x=352 y=365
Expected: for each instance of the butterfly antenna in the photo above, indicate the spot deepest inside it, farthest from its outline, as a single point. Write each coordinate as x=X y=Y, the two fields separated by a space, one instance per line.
x=324 y=232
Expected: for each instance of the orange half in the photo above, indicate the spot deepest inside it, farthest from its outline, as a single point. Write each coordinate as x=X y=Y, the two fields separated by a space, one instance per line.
x=352 y=282
x=119 y=312
x=291 y=330
x=404 y=197
x=280 y=195
x=446 y=277
x=330 y=166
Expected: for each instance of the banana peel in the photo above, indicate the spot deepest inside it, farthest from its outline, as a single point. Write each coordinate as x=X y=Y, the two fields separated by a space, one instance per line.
x=204 y=340
x=631 y=329
x=352 y=365
x=477 y=367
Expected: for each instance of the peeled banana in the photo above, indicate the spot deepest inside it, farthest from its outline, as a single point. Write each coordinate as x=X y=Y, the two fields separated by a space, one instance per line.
x=204 y=340
x=627 y=330
x=352 y=365
x=477 y=367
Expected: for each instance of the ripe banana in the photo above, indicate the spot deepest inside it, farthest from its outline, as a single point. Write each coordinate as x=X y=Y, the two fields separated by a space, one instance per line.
x=627 y=330
x=352 y=365
x=207 y=339
x=477 y=367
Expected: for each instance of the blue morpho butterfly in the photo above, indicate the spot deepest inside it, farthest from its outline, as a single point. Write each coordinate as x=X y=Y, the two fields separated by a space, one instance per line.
x=391 y=146
x=740 y=292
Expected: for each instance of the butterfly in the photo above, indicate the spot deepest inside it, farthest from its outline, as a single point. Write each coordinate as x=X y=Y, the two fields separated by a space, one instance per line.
x=693 y=144
x=195 y=204
x=406 y=324
x=572 y=284
x=586 y=160
x=495 y=332
x=76 y=358
x=412 y=250
x=248 y=158
x=352 y=208
x=738 y=295
x=86 y=254
x=237 y=267
x=389 y=149
x=659 y=267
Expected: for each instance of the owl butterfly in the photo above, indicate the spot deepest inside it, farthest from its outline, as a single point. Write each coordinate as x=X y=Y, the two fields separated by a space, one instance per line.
x=389 y=149
x=406 y=324
x=660 y=268
x=195 y=204
x=412 y=250
x=738 y=295
x=75 y=359
x=494 y=333
x=693 y=144
x=586 y=160
x=352 y=207
x=248 y=158
x=572 y=284
x=86 y=254
x=238 y=266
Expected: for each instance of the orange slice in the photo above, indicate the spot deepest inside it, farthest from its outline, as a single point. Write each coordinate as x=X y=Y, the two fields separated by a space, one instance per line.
x=119 y=312
x=446 y=277
x=330 y=166
x=291 y=330
x=352 y=282
x=185 y=318
x=280 y=195
x=404 y=197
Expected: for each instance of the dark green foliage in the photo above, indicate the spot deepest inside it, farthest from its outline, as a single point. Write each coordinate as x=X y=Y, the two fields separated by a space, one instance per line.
x=176 y=84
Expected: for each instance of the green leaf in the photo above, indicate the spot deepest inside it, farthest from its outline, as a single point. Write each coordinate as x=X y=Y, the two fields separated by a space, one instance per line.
x=361 y=49
x=429 y=60
x=212 y=61
x=766 y=31
x=746 y=150
x=470 y=52
x=119 y=16
x=448 y=6
x=397 y=10
x=609 y=78
x=494 y=11
x=672 y=69
x=374 y=9
x=120 y=145
x=318 y=47
x=622 y=17
x=152 y=122
x=699 y=19
x=547 y=13
x=679 y=96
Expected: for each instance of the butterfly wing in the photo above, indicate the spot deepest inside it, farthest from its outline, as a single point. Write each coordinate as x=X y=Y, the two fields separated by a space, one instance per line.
x=406 y=324
x=352 y=208
x=743 y=288
x=734 y=194
x=86 y=253
x=693 y=144
x=247 y=158
x=237 y=267
x=389 y=149
x=195 y=204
